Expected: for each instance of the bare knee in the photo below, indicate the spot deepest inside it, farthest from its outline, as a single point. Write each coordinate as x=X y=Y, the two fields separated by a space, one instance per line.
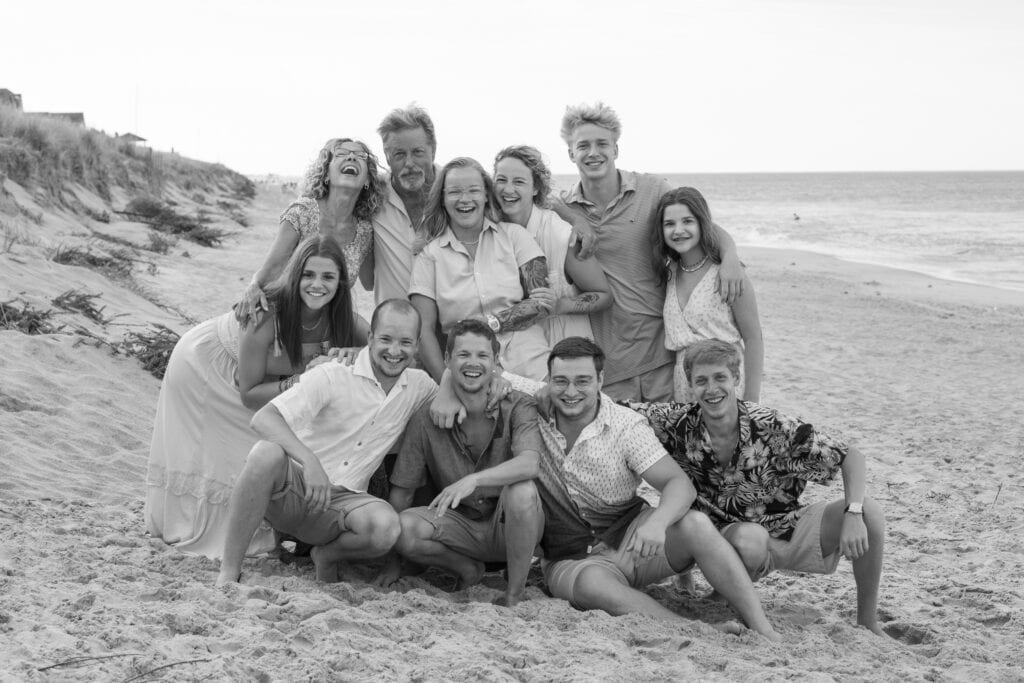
x=266 y=459
x=874 y=518
x=413 y=528
x=521 y=498
x=751 y=544
x=380 y=524
x=590 y=591
x=695 y=524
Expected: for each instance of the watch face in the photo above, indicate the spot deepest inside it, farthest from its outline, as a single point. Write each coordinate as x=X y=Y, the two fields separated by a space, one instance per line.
x=855 y=508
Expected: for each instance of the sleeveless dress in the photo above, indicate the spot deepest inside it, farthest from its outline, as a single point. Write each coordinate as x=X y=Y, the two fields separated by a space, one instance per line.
x=304 y=216
x=706 y=316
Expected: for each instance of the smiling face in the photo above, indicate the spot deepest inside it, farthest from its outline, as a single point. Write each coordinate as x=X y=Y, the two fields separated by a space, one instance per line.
x=348 y=166
x=411 y=159
x=319 y=282
x=714 y=386
x=513 y=185
x=465 y=198
x=681 y=232
x=575 y=387
x=393 y=343
x=593 y=149
x=471 y=363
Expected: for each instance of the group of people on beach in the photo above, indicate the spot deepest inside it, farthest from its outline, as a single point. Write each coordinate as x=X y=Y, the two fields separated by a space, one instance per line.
x=531 y=362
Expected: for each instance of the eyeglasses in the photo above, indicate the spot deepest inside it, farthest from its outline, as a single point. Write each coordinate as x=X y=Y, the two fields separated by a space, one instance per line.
x=345 y=153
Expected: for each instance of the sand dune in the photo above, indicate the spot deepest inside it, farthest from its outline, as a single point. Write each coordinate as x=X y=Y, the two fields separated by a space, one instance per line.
x=923 y=374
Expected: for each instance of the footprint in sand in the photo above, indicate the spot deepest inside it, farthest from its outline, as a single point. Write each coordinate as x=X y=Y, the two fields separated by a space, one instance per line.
x=909 y=634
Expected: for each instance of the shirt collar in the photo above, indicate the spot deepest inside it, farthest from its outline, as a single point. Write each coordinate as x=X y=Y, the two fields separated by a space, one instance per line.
x=362 y=367
x=448 y=238
x=627 y=183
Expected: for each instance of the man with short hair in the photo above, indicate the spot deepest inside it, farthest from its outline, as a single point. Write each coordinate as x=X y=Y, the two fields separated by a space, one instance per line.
x=409 y=148
x=602 y=542
x=613 y=211
x=750 y=464
x=323 y=440
x=488 y=509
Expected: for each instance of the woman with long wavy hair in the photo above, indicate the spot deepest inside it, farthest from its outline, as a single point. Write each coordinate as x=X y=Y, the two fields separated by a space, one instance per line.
x=219 y=374
x=341 y=191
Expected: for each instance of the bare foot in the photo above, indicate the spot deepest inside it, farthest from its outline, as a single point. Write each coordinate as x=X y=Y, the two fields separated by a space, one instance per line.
x=510 y=599
x=327 y=571
x=225 y=579
x=470 y=577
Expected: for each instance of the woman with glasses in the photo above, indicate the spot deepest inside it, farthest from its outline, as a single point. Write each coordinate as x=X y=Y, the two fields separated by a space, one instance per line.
x=341 y=191
x=475 y=267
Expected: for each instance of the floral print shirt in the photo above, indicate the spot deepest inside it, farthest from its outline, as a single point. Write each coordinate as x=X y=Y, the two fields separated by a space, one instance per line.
x=775 y=458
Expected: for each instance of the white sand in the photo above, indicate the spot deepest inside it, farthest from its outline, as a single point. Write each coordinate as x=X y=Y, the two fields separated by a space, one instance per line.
x=924 y=374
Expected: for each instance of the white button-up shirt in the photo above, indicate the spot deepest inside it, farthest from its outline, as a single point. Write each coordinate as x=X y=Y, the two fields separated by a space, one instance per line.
x=342 y=413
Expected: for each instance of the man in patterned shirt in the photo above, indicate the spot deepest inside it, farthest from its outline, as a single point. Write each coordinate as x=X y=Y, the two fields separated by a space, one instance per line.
x=602 y=543
x=750 y=464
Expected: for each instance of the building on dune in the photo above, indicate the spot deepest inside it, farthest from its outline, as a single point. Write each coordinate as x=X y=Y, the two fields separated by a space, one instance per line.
x=10 y=99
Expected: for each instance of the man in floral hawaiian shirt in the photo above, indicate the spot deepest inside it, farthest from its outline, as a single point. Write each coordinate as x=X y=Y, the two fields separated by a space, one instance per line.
x=750 y=464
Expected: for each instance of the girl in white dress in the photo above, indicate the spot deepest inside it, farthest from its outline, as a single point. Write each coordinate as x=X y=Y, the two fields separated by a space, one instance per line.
x=219 y=374
x=688 y=256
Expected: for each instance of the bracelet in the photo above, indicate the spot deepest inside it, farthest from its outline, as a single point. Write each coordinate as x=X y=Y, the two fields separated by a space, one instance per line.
x=287 y=383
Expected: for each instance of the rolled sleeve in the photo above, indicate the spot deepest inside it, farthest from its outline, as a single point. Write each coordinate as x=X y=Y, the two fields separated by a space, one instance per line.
x=300 y=404
x=525 y=432
x=424 y=275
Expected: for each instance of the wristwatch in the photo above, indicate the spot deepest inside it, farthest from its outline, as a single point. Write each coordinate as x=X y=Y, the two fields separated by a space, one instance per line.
x=855 y=508
x=493 y=323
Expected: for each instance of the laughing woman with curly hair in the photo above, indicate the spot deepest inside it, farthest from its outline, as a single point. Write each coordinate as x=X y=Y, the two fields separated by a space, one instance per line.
x=341 y=192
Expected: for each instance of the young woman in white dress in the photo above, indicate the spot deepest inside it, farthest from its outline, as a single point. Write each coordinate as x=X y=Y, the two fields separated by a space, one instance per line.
x=688 y=256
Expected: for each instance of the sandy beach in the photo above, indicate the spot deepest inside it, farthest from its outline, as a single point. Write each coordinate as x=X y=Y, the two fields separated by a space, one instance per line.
x=923 y=374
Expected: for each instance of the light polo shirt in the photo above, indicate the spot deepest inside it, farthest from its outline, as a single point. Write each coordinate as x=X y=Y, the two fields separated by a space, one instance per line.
x=393 y=240
x=601 y=472
x=342 y=413
x=630 y=332
x=464 y=287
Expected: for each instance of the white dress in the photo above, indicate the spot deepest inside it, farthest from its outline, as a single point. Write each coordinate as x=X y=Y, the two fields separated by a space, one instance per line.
x=201 y=437
x=706 y=316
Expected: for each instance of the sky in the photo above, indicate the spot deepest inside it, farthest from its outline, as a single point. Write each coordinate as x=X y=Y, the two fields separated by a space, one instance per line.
x=700 y=86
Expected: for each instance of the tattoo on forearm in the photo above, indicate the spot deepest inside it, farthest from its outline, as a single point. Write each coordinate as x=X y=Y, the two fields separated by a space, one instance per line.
x=584 y=302
x=534 y=274
x=520 y=316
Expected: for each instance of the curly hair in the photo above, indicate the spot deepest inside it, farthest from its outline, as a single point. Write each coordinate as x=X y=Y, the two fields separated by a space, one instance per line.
x=286 y=298
x=372 y=196
x=692 y=199
x=531 y=158
x=599 y=114
x=435 y=216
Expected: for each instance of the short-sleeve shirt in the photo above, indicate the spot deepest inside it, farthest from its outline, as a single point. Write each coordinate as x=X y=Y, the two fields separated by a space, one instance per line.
x=464 y=287
x=598 y=477
x=443 y=456
x=630 y=331
x=303 y=215
x=344 y=416
x=393 y=238
x=775 y=457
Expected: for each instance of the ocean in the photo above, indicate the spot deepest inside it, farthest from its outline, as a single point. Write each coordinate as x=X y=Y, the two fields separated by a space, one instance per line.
x=963 y=226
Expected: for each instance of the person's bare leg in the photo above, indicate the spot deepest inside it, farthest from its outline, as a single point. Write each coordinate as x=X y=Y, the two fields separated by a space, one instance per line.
x=598 y=588
x=524 y=525
x=695 y=538
x=751 y=543
x=370 y=532
x=262 y=474
x=867 y=569
x=416 y=544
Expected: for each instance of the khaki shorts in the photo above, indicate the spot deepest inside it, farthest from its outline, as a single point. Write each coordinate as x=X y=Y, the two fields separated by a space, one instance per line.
x=288 y=512
x=479 y=539
x=627 y=568
x=802 y=552
x=652 y=386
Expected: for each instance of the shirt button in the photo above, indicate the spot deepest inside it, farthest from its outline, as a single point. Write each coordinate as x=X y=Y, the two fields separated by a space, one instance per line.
x=360 y=443
x=345 y=463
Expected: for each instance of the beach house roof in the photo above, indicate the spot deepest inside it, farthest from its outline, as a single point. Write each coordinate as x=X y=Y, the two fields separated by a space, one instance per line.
x=10 y=99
